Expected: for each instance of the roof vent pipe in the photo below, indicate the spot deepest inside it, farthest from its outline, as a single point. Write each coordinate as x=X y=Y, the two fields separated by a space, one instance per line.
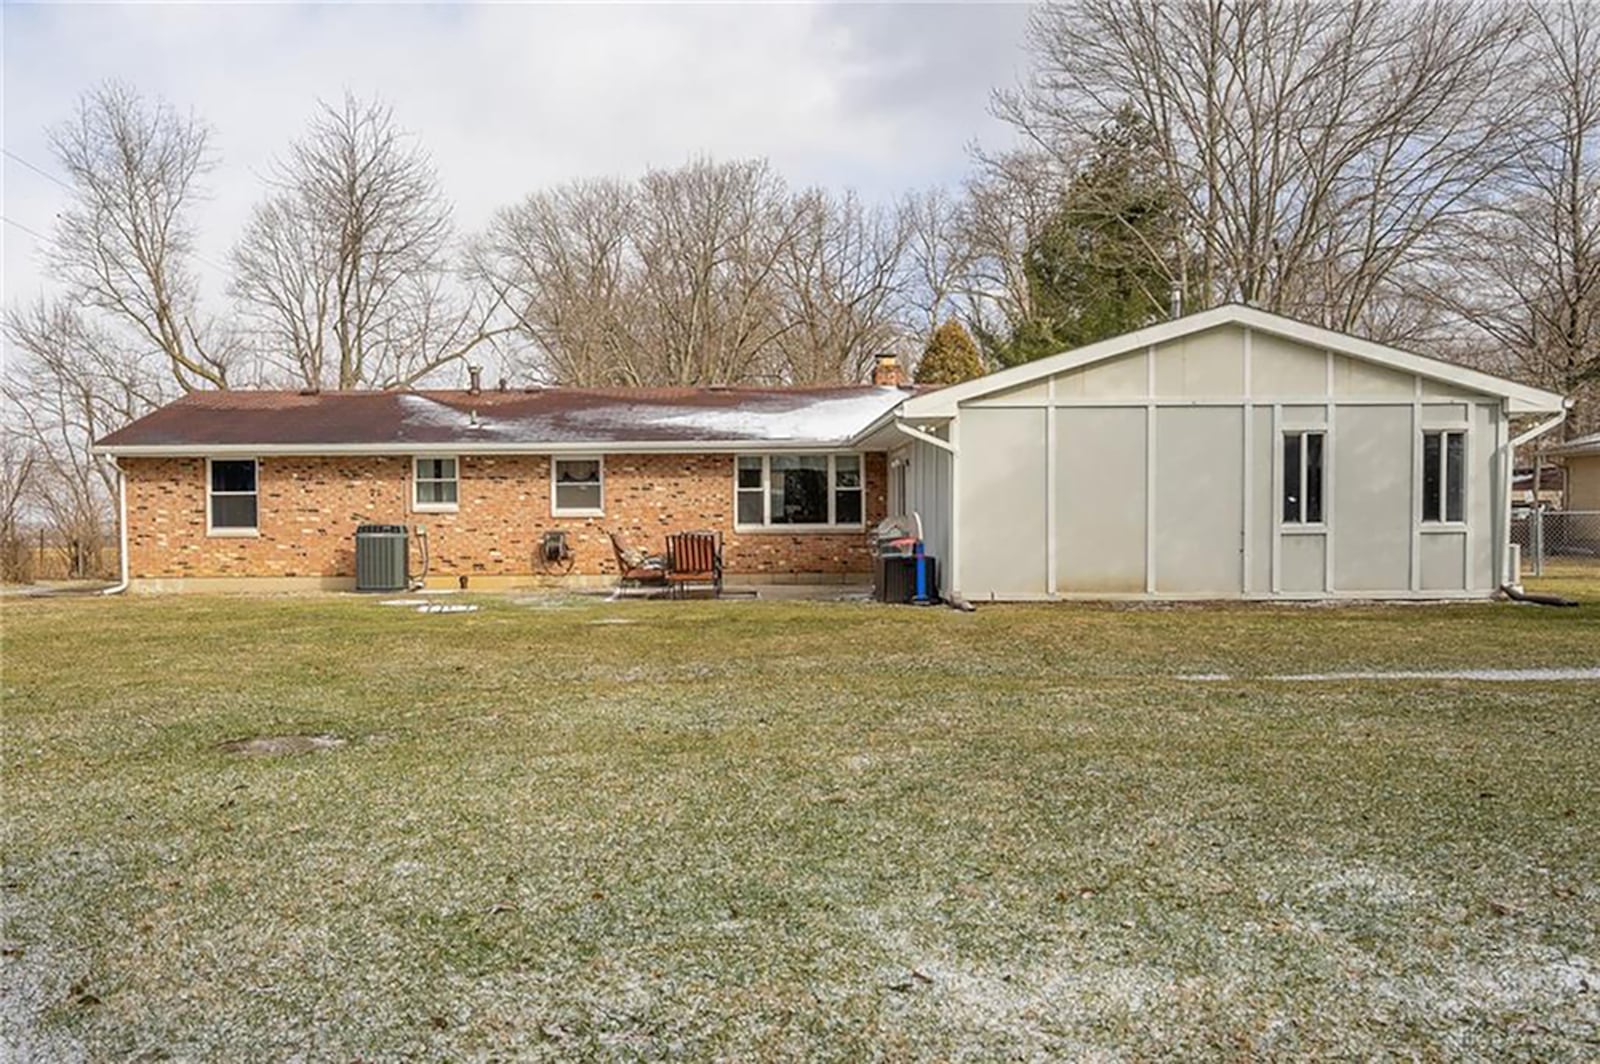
x=475 y=375
x=1175 y=307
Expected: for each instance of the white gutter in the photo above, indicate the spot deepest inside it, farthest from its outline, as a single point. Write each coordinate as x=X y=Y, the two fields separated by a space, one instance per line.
x=1539 y=429
x=401 y=447
x=122 y=531
x=924 y=437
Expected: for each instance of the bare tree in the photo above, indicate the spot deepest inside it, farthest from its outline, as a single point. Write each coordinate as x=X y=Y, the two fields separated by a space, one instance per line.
x=938 y=256
x=124 y=245
x=75 y=383
x=344 y=269
x=842 y=286
x=1527 y=271
x=1318 y=150
x=18 y=473
x=1009 y=201
x=675 y=279
x=564 y=259
x=710 y=239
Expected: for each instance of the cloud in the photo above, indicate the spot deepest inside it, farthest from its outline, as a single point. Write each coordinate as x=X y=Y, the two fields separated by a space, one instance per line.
x=508 y=99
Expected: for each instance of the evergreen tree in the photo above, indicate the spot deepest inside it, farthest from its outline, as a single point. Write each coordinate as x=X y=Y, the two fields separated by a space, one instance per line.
x=950 y=357
x=1097 y=268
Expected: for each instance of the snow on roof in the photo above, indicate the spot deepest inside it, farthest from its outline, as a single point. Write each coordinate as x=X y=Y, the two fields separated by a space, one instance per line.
x=693 y=418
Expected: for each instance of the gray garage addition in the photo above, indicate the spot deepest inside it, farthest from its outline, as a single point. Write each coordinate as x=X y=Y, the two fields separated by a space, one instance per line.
x=1228 y=454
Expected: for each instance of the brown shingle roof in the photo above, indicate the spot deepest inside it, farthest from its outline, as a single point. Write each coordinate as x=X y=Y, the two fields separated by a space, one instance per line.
x=496 y=419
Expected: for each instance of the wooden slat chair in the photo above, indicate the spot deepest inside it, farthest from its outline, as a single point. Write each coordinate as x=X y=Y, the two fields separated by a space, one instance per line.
x=694 y=558
x=635 y=568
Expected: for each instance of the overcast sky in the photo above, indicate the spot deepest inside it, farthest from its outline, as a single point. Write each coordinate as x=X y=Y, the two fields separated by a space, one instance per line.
x=511 y=98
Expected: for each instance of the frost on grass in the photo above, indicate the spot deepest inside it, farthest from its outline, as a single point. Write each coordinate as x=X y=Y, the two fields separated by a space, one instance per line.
x=275 y=745
x=659 y=840
x=1035 y=1007
x=1478 y=675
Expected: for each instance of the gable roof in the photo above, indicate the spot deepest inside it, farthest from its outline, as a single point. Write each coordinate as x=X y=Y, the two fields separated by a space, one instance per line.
x=1521 y=398
x=1582 y=446
x=542 y=419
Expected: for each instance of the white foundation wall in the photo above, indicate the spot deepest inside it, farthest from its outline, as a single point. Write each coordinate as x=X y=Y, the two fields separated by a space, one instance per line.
x=1158 y=474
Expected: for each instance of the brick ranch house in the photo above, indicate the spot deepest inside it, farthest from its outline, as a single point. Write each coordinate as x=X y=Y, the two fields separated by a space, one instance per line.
x=1230 y=453
x=265 y=489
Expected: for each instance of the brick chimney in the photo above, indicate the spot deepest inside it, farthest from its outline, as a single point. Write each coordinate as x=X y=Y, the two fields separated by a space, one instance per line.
x=475 y=375
x=887 y=373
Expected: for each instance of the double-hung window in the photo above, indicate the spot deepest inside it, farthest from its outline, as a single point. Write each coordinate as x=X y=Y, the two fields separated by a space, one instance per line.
x=799 y=491
x=1302 y=477
x=577 y=487
x=1444 y=476
x=435 y=485
x=231 y=497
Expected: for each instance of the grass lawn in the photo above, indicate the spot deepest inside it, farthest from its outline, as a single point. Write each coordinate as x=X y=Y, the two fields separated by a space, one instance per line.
x=757 y=830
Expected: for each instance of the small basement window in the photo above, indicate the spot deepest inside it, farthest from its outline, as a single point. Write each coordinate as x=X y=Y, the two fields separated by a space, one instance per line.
x=1444 y=476
x=1302 y=478
x=435 y=485
x=231 y=497
x=813 y=491
x=577 y=487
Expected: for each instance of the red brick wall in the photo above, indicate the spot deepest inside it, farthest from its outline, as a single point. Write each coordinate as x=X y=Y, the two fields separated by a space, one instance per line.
x=308 y=510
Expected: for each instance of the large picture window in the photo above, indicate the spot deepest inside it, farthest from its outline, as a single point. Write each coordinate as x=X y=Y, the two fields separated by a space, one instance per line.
x=231 y=497
x=799 y=491
x=1302 y=478
x=577 y=487
x=1444 y=476
x=435 y=485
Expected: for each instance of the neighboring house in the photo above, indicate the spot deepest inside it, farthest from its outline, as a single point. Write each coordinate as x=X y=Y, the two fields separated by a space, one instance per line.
x=1230 y=453
x=1581 y=457
x=1552 y=486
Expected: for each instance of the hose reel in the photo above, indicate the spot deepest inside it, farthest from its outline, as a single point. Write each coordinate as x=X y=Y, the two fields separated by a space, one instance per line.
x=555 y=553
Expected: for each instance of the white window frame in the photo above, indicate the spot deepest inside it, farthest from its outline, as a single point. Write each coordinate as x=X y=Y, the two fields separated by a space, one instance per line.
x=241 y=532
x=1301 y=524
x=1444 y=523
x=556 y=509
x=832 y=524
x=420 y=507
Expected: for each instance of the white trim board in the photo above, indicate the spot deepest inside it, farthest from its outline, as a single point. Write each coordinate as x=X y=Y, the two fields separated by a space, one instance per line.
x=401 y=448
x=1520 y=398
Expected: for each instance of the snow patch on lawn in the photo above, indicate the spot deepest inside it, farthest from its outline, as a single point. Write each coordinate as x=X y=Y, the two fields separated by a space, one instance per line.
x=1036 y=1003
x=1483 y=675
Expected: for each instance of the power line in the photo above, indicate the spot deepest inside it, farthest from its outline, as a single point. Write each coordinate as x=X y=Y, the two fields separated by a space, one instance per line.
x=26 y=229
x=41 y=171
x=48 y=240
x=14 y=157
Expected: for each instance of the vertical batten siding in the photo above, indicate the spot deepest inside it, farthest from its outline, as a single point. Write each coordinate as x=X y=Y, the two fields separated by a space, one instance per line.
x=1205 y=476
x=928 y=494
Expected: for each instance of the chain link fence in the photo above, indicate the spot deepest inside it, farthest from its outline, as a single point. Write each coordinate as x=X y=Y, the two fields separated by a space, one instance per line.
x=1545 y=534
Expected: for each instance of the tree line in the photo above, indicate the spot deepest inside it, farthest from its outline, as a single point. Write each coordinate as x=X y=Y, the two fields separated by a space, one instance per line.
x=1421 y=173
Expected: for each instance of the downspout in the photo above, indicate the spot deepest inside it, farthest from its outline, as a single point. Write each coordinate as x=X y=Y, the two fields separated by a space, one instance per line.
x=1507 y=577
x=952 y=594
x=122 y=531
